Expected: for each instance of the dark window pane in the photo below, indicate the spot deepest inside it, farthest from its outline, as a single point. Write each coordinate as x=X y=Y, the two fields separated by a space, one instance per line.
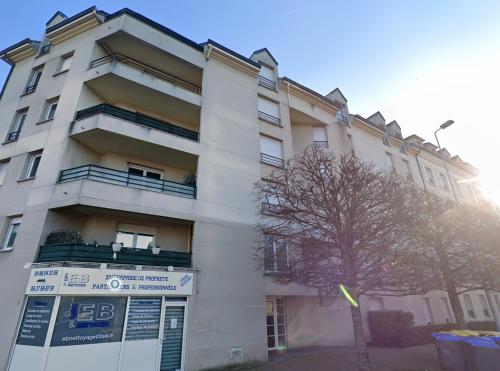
x=152 y=175
x=134 y=171
x=281 y=341
x=281 y=329
x=270 y=342
x=34 y=166
x=270 y=330
x=270 y=320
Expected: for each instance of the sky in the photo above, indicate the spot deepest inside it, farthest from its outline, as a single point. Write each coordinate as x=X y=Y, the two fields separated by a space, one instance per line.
x=418 y=62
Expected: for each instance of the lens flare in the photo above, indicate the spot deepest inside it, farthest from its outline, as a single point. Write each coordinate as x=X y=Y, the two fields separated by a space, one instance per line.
x=348 y=296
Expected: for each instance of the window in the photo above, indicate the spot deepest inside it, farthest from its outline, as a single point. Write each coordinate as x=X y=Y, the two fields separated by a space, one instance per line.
x=65 y=62
x=10 y=236
x=430 y=176
x=402 y=148
x=341 y=116
x=469 y=306
x=50 y=109
x=33 y=80
x=407 y=170
x=376 y=303
x=271 y=151
x=389 y=162
x=275 y=254
x=497 y=302
x=267 y=77
x=136 y=236
x=271 y=204
x=385 y=140
x=269 y=111
x=484 y=305
x=444 y=181
x=319 y=136
x=351 y=145
x=17 y=125
x=32 y=165
x=145 y=172
x=446 y=309
x=3 y=170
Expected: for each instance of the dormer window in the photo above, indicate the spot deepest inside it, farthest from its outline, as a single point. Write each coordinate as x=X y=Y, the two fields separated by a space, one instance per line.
x=385 y=140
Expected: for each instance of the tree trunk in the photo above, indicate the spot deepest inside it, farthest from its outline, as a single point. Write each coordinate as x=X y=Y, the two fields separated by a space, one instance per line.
x=359 y=340
x=450 y=284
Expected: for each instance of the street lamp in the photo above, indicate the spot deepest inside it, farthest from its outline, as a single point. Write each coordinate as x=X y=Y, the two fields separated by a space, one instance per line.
x=442 y=127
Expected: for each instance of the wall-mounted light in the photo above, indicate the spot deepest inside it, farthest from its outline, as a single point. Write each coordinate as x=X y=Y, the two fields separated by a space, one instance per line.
x=116 y=246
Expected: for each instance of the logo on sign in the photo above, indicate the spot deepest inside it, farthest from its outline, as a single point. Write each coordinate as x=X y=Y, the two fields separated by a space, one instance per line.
x=114 y=284
x=76 y=279
x=185 y=280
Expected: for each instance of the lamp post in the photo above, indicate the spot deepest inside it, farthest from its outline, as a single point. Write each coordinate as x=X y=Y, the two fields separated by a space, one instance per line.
x=442 y=127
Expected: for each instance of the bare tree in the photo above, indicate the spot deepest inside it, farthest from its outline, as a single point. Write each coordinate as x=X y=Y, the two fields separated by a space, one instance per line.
x=457 y=247
x=333 y=221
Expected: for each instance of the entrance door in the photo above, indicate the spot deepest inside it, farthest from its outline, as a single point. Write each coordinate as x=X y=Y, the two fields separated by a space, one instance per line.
x=173 y=338
x=276 y=327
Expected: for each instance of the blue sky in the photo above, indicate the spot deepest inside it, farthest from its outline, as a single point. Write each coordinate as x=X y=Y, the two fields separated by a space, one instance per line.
x=420 y=62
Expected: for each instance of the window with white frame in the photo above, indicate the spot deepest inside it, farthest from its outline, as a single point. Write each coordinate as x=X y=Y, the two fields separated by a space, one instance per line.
x=484 y=305
x=275 y=254
x=267 y=77
x=11 y=233
x=269 y=111
x=17 y=125
x=136 y=236
x=3 y=170
x=65 y=63
x=430 y=175
x=389 y=162
x=144 y=171
x=35 y=76
x=469 y=306
x=407 y=169
x=271 y=151
x=444 y=181
x=340 y=116
x=319 y=136
x=32 y=164
x=50 y=108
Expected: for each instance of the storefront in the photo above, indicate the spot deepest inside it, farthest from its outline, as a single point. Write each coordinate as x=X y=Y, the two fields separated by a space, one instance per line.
x=102 y=319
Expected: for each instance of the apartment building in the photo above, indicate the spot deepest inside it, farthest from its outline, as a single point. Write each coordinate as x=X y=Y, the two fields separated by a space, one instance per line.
x=127 y=220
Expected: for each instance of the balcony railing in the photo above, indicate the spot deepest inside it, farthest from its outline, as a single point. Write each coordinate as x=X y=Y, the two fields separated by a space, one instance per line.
x=137 y=118
x=45 y=49
x=30 y=89
x=321 y=143
x=104 y=254
x=271 y=160
x=13 y=136
x=105 y=175
x=270 y=118
x=341 y=117
x=133 y=63
x=265 y=82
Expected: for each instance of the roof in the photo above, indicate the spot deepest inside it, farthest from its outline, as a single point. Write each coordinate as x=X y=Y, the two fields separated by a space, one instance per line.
x=340 y=92
x=55 y=15
x=267 y=51
x=71 y=19
x=393 y=122
x=156 y=26
x=366 y=121
x=315 y=93
x=3 y=53
x=376 y=114
x=229 y=51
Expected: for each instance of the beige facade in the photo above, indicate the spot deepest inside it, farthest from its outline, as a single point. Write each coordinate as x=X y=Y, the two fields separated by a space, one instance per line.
x=140 y=109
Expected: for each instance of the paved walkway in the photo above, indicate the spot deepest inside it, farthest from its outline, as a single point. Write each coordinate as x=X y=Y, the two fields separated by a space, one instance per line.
x=421 y=358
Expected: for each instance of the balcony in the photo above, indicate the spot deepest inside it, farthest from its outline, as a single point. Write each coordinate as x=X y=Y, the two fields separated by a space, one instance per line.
x=144 y=68
x=104 y=254
x=269 y=118
x=122 y=178
x=321 y=143
x=265 y=82
x=13 y=136
x=271 y=160
x=137 y=118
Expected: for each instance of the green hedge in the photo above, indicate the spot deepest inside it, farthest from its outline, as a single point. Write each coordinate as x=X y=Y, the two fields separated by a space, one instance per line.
x=392 y=328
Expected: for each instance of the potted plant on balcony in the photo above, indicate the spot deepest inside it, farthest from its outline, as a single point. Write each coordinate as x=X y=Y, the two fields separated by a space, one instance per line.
x=64 y=236
x=189 y=180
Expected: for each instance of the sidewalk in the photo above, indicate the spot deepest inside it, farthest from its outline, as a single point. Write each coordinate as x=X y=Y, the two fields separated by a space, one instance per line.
x=421 y=358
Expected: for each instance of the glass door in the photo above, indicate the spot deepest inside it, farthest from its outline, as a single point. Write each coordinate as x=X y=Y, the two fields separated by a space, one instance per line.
x=276 y=326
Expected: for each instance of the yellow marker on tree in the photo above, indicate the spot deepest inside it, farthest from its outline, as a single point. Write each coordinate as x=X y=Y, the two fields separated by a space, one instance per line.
x=348 y=296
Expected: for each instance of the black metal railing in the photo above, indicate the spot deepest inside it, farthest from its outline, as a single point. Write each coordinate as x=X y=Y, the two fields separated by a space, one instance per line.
x=13 y=136
x=137 y=118
x=269 y=118
x=30 y=89
x=45 y=49
x=341 y=117
x=271 y=160
x=111 y=176
x=321 y=143
x=104 y=254
x=265 y=82
x=133 y=63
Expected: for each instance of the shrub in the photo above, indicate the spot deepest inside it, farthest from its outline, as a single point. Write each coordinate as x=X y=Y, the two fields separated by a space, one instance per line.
x=391 y=328
x=64 y=236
